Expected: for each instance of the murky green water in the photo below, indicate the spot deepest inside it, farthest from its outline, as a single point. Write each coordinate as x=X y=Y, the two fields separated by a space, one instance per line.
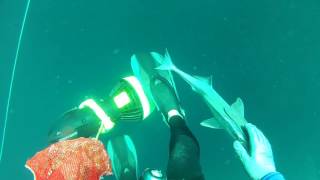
x=266 y=52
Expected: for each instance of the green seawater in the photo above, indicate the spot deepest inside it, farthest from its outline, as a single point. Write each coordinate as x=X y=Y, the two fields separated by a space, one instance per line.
x=267 y=52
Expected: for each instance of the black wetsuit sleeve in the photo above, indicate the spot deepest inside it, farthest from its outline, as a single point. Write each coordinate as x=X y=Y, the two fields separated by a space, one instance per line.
x=184 y=152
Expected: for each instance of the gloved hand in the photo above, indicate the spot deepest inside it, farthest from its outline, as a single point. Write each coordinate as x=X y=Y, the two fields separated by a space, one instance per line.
x=259 y=162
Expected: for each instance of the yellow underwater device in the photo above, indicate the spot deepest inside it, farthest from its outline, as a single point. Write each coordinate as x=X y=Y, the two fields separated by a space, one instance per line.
x=126 y=102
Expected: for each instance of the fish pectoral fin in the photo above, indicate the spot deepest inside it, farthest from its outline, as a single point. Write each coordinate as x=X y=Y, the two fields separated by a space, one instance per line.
x=238 y=107
x=207 y=80
x=211 y=123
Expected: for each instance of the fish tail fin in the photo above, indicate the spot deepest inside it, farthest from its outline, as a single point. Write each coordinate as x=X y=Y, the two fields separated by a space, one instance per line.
x=166 y=63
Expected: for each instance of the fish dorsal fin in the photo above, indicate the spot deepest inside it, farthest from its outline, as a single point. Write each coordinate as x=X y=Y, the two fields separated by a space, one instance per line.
x=161 y=59
x=211 y=123
x=207 y=80
x=164 y=61
x=158 y=57
x=238 y=107
x=167 y=55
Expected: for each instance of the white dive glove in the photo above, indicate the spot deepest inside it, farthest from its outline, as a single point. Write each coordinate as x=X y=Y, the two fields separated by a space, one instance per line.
x=259 y=162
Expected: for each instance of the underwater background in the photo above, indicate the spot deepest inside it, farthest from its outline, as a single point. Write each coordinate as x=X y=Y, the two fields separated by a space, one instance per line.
x=267 y=52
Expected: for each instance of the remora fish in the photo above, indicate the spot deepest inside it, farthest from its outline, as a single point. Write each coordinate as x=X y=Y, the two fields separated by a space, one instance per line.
x=230 y=118
x=74 y=124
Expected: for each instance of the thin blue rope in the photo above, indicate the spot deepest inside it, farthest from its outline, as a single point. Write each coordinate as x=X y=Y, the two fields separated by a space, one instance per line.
x=12 y=78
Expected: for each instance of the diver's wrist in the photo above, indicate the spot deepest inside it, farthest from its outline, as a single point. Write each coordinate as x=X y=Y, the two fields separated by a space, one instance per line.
x=273 y=176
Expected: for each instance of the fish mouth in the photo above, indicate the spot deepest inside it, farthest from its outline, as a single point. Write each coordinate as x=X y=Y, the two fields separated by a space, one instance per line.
x=61 y=135
x=70 y=136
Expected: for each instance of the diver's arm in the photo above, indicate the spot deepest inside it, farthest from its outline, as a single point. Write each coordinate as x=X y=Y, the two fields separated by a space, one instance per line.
x=259 y=162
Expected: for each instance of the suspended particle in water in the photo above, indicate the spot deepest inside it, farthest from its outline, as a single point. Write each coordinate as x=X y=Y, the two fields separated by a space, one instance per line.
x=12 y=110
x=116 y=51
x=83 y=29
x=195 y=68
x=281 y=61
x=227 y=162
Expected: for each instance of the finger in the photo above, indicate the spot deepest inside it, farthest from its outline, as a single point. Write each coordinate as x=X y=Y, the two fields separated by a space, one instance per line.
x=259 y=135
x=262 y=138
x=241 y=152
x=252 y=137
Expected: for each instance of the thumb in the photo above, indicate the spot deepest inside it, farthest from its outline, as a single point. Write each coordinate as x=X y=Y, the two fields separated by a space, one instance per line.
x=241 y=152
